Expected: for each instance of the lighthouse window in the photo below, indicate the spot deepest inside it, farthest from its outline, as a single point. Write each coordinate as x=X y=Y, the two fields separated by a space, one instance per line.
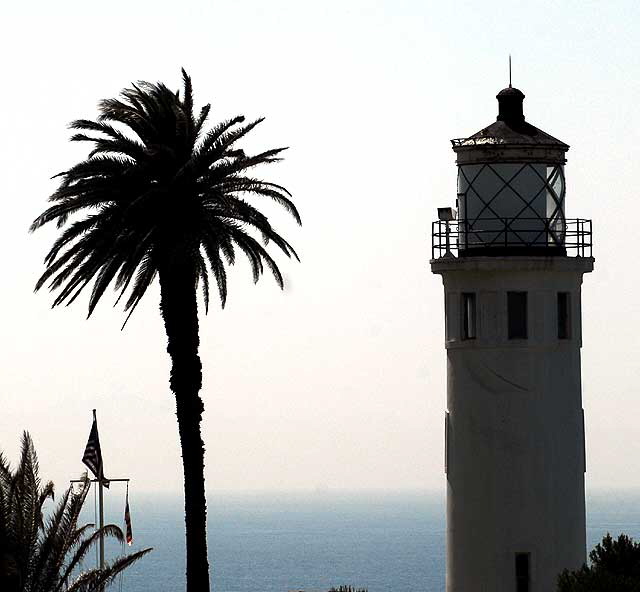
x=446 y=442
x=468 y=315
x=517 y=315
x=523 y=575
x=564 y=315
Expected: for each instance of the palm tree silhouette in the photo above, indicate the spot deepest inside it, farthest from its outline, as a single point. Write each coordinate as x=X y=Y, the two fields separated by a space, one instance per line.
x=159 y=195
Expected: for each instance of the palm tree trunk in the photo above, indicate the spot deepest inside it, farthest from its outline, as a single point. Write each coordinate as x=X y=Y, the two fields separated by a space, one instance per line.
x=179 y=309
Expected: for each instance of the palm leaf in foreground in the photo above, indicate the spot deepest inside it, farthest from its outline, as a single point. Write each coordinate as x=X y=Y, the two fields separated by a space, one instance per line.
x=159 y=195
x=39 y=556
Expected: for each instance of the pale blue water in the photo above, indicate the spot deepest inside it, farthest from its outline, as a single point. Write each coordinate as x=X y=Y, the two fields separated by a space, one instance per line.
x=277 y=543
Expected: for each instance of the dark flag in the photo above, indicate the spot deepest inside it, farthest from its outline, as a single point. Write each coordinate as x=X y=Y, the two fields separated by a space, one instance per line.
x=127 y=519
x=93 y=455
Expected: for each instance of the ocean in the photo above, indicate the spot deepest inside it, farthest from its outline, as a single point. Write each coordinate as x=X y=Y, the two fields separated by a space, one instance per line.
x=282 y=542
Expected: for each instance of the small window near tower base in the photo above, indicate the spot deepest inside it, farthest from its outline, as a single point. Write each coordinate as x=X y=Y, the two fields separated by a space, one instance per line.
x=517 y=315
x=564 y=315
x=523 y=572
x=468 y=315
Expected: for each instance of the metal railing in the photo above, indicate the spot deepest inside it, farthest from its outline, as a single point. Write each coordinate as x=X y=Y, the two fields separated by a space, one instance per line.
x=511 y=236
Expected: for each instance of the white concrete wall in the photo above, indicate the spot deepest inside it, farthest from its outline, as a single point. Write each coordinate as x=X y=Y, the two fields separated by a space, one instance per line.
x=515 y=480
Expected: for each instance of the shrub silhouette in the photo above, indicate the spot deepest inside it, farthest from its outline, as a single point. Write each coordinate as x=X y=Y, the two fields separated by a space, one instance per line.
x=615 y=567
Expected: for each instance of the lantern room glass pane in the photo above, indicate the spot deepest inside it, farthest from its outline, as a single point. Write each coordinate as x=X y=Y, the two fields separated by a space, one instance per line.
x=511 y=204
x=555 y=204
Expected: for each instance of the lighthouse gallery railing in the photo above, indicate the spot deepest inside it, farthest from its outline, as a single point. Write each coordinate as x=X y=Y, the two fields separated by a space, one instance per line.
x=504 y=236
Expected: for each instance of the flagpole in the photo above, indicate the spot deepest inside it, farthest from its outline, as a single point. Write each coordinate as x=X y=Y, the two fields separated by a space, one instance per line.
x=101 y=510
x=93 y=459
x=98 y=482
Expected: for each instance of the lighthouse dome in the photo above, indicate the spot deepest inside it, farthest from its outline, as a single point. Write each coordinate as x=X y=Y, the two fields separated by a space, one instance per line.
x=511 y=185
x=511 y=129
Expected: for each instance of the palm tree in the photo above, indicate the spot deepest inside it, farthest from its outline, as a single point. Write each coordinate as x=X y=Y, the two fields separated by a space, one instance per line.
x=46 y=557
x=159 y=195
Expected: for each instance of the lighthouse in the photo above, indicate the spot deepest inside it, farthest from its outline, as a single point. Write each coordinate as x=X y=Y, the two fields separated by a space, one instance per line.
x=512 y=265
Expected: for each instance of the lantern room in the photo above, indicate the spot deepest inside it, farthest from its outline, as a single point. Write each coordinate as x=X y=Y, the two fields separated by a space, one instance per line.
x=511 y=192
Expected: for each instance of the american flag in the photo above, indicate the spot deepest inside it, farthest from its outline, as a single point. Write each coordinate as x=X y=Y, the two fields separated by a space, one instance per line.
x=93 y=455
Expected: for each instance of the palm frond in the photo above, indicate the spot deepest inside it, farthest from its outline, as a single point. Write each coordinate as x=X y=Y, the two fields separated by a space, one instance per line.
x=96 y=580
x=277 y=193
x=119 y=142
x=146 y=273
x=214 y=135
x=256 y=253
x=203 y=277
x=212 y=253
x=202 y=118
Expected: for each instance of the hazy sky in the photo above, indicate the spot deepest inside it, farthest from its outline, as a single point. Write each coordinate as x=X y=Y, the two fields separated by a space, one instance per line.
x=339 y=381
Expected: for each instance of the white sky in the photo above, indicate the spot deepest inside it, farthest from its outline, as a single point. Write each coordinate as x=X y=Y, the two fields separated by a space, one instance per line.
x=338 y=382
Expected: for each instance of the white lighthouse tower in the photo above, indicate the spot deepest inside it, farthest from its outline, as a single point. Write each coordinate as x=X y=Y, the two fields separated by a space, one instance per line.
x=512 y=267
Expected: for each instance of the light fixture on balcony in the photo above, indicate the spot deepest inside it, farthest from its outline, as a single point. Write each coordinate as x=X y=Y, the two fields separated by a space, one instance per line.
x=446 y=214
